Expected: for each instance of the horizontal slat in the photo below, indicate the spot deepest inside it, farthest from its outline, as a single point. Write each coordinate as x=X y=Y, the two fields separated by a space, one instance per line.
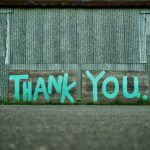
x=125 y=67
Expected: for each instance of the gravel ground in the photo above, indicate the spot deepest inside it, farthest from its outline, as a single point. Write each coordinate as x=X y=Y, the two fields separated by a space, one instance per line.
x=74 y=127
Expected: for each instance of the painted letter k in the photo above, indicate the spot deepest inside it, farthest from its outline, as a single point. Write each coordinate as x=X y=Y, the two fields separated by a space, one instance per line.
x=66 y=88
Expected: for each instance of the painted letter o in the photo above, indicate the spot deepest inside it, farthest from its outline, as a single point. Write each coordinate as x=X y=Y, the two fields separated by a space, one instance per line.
x=116 y=90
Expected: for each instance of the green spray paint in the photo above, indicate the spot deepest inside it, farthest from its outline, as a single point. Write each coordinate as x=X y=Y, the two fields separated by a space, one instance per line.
x=57 y=85
x=104 y=87
x=27 y=91
x=94 y=82
x=17 y=79
x=66 y=88
x=135 y=93
x=40 y=88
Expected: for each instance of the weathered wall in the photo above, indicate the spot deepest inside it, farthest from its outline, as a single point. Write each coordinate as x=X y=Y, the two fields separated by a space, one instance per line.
x=73 y=39
x=74 y=36
x=3 y=67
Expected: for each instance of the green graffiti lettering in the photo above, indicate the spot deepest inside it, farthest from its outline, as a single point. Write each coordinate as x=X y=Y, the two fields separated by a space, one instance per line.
x=116 y=90
x=27 y=91
x=136 y=88
x=66 y=88
x=94 y=82
x=57 y=85
x=40 y=87
x=17 y=79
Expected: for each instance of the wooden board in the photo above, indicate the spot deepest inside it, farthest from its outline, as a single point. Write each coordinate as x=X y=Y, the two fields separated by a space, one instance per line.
x=33 y=77
x=87 y=94
x=86 y=85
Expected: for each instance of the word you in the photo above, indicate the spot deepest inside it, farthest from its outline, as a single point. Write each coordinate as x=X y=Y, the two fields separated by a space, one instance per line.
x=62 y=87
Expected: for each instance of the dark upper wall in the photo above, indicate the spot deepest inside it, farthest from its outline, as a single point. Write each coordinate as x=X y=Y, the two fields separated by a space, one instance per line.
x=75 y=3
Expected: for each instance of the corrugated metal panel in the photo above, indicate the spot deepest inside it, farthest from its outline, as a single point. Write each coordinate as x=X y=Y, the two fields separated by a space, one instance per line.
x=34 y=36
x=51 y=42
x=85 y=36
x=147 y=24
x=148 y=44
x=142 y=38
x=148 y=68
x=4 y=10
x=131 y=31
x=145 y=11
x=3 y=68
x=3 y=34
x=3 y=79
x=75 y=36
x=18 y=23
x=98 y=39
x=68 y=36
x=148 y=33
x=109 y=32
